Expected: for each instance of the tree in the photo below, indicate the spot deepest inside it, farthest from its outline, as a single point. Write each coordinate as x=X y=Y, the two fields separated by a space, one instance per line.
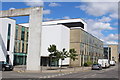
x=72 y=55
x=52 y=49
x=61 y=56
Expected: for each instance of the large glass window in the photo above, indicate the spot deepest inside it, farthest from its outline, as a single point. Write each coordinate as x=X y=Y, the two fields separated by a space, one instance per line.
x=19 y=46
x=23 y=33
x=8 y=37
x=16 y=33
x=9 y=29
x=22 y=47
x=26 y=47
x=27 y=35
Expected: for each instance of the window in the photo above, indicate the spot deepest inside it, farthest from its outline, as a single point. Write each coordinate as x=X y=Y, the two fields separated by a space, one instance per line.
x=16 y=33
x=23 y=33
x=8 y=44
x=26 y=47
x=22 y=47
x=19 y=46
x=7 y=59
x=9 y=29
x=8 y=37
x=27 y=35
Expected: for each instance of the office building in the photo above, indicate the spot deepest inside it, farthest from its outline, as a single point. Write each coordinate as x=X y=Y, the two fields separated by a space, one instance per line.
x=68 y=33
x=111 y=52
x=53 y=32
x=88 y=47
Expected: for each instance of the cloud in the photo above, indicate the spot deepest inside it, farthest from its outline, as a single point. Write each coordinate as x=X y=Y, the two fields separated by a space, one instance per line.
x=47 y=19
x=102 y=26
x=95 y=27
x=34 y=3
x=114 y=15
x=105 y=19
x=54 y=4
x=47 y=11
x=111 y=37
x=66 y=17
x=111 y=42
x=11 y=8
x=99 y=0
x=99 y=9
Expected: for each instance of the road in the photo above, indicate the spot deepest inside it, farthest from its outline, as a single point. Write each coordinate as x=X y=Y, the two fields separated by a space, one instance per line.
x=111 y=72
x=108 y=73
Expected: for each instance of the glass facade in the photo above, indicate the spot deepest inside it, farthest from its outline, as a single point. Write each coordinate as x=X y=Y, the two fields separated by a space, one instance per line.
x=21 y=44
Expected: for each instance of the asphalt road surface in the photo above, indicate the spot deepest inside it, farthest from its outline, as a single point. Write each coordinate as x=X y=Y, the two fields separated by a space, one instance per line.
x=105 y=74
x=111 y=72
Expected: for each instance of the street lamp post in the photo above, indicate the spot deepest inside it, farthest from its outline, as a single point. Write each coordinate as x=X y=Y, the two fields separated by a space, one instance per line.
x=108 y=53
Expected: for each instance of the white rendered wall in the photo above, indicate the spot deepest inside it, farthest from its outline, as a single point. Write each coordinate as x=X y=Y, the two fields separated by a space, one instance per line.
x=4 y=34
x=55 y=34
x=2 y=56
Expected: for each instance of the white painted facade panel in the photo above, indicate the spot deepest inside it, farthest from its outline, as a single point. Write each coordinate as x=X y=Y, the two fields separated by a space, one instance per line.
x=65 y=43
x=4 y=22
x=2 y=56
x=55 y=34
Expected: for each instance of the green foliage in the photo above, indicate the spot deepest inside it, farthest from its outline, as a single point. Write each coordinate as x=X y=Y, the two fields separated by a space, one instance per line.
x=89 y=63
x=95 y=63
x=57 y=54
x=85 y=64
x=52 y=48
x=61 y=54
x=72 y=54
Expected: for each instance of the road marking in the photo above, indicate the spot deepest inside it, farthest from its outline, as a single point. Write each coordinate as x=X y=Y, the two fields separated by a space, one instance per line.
x=93 y=75
x=44 y=76
x=85 y=77
x=62 y=74
x=48 y=76
x=41 y=77
x=53 y=76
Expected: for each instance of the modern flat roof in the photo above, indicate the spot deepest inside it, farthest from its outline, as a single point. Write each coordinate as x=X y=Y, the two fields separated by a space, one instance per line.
x=77 y=22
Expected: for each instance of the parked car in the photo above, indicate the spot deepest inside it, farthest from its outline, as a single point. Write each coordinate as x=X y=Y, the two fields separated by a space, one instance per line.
x=112 y=63
x=104 y=63
x=4 y=66
x=96 y=67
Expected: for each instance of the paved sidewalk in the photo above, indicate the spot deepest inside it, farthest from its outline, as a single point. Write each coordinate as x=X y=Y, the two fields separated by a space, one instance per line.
x=52 y=69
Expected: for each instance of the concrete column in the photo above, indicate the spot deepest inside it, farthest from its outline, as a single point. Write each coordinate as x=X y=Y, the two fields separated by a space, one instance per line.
x=83 y=60
x=34 y=42
x=79 y=60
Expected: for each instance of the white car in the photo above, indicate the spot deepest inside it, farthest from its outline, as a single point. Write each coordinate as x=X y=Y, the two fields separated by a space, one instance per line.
x=104 y=63
x=112 y=63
